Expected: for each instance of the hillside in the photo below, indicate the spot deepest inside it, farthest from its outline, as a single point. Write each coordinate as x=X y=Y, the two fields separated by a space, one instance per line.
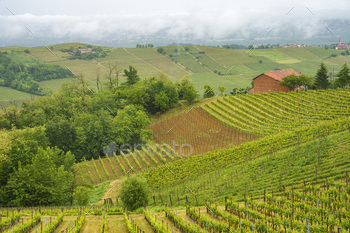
x=293 y=178
x=204 y=65
x=268 y=114
x=279 y=126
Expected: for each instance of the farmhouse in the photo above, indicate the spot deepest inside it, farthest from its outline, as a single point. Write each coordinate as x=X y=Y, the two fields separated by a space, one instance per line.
x=269 y=82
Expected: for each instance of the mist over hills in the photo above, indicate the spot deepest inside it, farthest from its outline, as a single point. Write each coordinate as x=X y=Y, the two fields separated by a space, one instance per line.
x=186 y=31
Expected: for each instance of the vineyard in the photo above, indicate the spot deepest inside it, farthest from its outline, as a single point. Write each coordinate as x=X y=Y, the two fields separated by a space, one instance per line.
x=321 y=208
x=119 y=166
x=292 y=177
x=312 y=163
x=198 y=129
x=267 y=114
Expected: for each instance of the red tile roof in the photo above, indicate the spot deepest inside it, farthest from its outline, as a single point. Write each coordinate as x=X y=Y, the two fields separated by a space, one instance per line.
x=343 y=46
x=280 y=74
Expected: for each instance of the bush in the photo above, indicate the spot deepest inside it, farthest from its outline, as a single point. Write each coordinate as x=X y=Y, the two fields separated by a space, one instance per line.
x=135 y=192
x=82 y=196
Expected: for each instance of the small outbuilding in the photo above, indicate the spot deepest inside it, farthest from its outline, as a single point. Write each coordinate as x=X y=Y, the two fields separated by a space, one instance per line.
x=269 y=82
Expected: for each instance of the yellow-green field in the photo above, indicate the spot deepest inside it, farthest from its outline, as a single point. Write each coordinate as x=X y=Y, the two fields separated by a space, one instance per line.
x=203 y=64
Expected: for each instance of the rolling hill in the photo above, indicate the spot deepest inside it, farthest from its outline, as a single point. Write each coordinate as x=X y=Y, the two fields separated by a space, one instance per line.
x=204 y=65
x=293 y=179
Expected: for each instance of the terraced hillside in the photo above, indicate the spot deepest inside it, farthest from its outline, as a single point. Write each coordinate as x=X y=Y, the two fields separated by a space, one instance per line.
x=267 y=114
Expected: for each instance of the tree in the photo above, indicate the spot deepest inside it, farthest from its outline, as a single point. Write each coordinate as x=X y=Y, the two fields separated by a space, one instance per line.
x=222 y=89
x=293 y=81
x=321 y=80
x=344 y=76
x=135 y=192
x=187 y=90
x=130 y=126
x=93 y=131
x=157 y=88
x=191 y=94
x=131 y=76
x=82 y=195
x=113 y=75
x=161 y=101
x=305 y=81
x=208 y=91
x=62 y=133
x=44 y=182
x=234 y=91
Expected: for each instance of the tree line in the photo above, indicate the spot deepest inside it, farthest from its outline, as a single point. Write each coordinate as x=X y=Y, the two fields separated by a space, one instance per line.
x=25 y=77
x=322 y=79
x=40 y=143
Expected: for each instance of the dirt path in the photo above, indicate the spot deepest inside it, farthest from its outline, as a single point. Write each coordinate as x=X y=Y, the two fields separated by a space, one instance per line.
x=92 y=224
x=112 y=192
x=66 y=221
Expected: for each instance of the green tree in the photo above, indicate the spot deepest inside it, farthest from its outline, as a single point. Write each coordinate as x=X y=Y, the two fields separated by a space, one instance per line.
x=321 y=80
x=131 y=76
x=187 y=90
x=94 y=131
x=294 y=81
x=81 y=195
x=344 y=76
x=234 y=91
x=156 y=87
x=291 y=81
x=305 y=81
x=130 y=126
x=62 y=133
x=208 y=91
x=161 y=101
x=44 y=182
x=222 y=89
x=135 y=192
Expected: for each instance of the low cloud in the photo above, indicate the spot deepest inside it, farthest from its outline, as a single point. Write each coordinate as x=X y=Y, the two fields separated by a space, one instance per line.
x=201 y=25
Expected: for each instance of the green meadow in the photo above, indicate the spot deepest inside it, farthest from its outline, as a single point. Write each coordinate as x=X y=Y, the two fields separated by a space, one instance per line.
x=203 y=64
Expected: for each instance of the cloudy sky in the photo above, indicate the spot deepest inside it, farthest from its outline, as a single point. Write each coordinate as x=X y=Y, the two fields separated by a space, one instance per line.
x=173 y=20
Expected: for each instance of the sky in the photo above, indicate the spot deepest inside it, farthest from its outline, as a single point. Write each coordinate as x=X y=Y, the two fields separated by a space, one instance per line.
x=88 y=20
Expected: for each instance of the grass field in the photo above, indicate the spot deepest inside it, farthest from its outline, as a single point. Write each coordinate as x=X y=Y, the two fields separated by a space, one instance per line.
x=9 y=96
x=202 y=64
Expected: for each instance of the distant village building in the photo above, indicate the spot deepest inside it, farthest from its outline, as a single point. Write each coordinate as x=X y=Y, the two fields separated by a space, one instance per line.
x=269 y=82
x=342 y=46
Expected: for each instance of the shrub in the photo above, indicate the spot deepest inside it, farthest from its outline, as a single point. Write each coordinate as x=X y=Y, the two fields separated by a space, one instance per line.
x=135 y=192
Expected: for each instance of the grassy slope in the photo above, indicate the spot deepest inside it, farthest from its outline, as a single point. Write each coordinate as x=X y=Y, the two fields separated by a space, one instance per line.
x=198 y=62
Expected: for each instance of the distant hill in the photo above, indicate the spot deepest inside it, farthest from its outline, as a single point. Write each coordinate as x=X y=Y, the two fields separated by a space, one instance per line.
x=203 y=64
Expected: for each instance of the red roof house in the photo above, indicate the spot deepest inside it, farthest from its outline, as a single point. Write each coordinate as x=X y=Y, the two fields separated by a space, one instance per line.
x=269 y=82
x=342 y=46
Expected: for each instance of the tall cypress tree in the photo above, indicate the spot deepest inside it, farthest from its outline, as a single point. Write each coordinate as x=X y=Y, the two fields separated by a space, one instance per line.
x=344 y=76
x=321 y=79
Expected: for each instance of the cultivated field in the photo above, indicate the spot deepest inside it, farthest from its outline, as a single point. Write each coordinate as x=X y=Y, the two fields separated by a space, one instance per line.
x=196 y=132
x=322 y=208
x=203 y=64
